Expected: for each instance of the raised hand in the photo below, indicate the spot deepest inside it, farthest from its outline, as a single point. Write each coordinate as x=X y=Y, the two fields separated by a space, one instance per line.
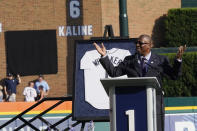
x=18 y=75
x=19 y=78
x=180 y=52
x=101 y=50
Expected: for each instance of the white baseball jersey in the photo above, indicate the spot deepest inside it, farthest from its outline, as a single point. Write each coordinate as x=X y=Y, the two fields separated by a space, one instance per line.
x=93 y=71
x=30 y=94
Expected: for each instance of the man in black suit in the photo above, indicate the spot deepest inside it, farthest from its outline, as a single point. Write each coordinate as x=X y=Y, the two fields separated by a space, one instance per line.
x=145 y=64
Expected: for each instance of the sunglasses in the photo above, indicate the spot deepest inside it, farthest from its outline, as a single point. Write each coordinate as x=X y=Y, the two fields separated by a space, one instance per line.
x=141 y=43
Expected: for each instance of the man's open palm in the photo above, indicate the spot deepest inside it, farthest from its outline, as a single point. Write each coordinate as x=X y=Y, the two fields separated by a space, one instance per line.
x=101 y=50
x=180 y=52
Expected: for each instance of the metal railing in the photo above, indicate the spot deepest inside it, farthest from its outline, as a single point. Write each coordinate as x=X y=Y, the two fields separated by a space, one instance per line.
x=39 y=116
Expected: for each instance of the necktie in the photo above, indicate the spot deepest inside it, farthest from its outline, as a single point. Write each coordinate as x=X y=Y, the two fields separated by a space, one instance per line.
x=143 y=66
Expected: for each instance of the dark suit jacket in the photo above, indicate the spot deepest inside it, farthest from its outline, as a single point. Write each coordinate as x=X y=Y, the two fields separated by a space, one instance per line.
x=158 y=66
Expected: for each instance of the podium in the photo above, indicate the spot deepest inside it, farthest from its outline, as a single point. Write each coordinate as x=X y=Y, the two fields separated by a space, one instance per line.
x=132 y=103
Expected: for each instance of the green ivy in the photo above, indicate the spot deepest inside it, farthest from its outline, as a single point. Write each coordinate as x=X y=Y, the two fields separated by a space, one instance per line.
x=181 y=27
x=186 y=85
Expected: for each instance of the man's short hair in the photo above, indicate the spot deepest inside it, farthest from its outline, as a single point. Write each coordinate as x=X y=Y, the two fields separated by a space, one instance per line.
x=145 y=36
x=9 y=75
x=41 y=76
x=30 y=82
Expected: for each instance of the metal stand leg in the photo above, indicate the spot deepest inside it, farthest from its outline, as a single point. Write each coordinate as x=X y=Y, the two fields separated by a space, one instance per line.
x=82 y=126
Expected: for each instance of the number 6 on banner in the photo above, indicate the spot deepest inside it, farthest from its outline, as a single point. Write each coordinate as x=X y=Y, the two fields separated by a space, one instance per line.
x=74 y=9
x=131 y=115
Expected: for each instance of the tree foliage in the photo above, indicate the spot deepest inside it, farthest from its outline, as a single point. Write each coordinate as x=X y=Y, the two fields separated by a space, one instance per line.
x=181 y=27
x=186 y=85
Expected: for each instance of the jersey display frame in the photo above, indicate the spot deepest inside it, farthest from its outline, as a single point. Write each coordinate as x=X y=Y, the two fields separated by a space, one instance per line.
x=90 y=101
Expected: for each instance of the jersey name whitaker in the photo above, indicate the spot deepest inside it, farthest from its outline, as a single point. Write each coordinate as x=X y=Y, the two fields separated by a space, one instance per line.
x=114 y=59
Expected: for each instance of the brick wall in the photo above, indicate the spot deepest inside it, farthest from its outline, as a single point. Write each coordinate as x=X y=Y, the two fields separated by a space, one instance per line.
x=50 y=14
x=144 y=16
x=42 y=15
x=110 y=15
x=35 y=15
